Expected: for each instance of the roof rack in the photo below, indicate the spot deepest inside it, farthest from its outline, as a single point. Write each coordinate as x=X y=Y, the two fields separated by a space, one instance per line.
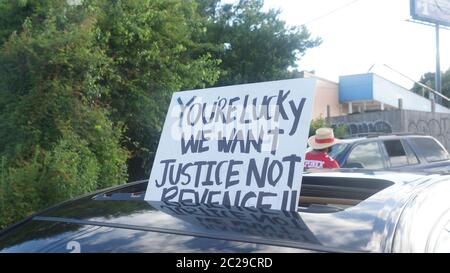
x=378 y=134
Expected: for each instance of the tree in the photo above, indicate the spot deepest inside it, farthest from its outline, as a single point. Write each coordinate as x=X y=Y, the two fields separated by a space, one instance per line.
x=340 y=131
x=56 y=139
x=255 y=45
x=428 y=79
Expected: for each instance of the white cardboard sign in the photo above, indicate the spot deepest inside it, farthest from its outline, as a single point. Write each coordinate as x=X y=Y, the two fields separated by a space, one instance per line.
x=239 y=145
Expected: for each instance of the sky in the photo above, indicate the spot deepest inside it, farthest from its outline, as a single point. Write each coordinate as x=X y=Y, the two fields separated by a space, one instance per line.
x=365 y=33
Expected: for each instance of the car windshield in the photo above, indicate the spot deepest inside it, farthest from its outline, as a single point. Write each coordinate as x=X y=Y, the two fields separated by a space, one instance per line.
x=337 y=149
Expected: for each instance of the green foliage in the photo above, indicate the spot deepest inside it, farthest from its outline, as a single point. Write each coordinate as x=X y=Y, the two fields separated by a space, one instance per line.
x=56 y=139
x=255 y=44
x=18 y=195
x=339 y=131
x=69 y=169
x=103 y=139
x=66 y=171
x=429 y=79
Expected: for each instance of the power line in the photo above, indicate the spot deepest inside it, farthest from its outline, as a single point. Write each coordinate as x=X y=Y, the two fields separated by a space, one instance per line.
x=331 y=12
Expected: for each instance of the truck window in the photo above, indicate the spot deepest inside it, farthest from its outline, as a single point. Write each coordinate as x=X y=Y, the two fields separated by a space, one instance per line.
x=412 y=158
x=365 y=155
x=337 y=149
x=429 y=149
x=396 y=152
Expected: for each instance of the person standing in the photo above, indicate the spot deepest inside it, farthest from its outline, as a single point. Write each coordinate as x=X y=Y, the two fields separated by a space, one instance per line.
x=321 y=144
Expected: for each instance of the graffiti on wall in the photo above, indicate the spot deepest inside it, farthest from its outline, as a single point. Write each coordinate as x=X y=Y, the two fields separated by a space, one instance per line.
x=380 y=126
x=438 y=128
x=412 y=122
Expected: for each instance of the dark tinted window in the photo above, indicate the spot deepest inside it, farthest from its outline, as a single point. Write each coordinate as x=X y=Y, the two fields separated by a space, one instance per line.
x=429 y=149
x=396 y=152
x=365 y=155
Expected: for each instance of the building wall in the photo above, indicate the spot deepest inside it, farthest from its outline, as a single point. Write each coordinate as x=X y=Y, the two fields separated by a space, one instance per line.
x=399 y=121
x=371 y=122
x=366 y=88
x=327 y=93
x=434 y=124
x=389 y=93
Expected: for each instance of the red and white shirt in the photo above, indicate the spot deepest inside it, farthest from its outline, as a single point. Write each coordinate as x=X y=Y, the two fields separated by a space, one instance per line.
x=318 y=160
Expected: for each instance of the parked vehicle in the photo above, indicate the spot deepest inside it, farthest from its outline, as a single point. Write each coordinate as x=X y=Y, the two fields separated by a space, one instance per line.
x=339 y=211
x=396 y=152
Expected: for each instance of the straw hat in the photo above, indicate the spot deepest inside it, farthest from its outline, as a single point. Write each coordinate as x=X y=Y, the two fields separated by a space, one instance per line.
x=323 y=138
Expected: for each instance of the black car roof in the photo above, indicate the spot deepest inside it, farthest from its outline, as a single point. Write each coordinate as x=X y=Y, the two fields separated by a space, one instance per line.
x=124 y=208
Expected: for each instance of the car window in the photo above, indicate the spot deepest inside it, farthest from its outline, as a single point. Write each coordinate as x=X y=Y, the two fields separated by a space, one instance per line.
x=412 y=158
x=429 y=149
x=365 y=155
x=396 y=152
x=337 y=149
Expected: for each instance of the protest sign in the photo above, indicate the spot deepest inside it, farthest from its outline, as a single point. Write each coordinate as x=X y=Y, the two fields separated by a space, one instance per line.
x=239 y=145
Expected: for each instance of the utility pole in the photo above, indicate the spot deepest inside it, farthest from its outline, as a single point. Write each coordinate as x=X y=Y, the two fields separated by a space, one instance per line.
x=438 y=81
